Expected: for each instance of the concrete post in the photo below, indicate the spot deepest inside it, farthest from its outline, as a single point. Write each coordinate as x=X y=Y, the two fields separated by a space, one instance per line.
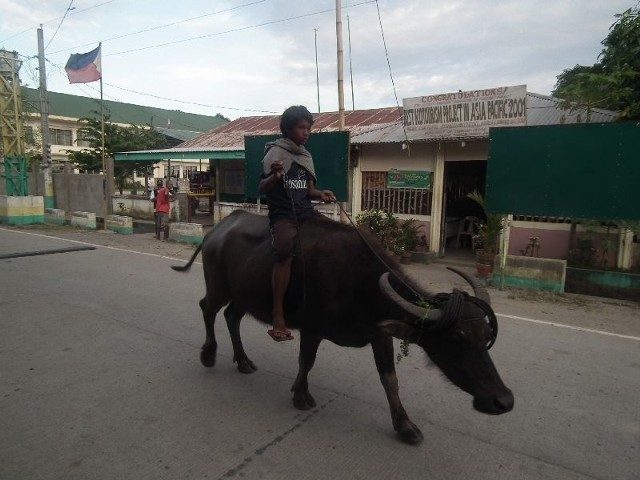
x=436 y=201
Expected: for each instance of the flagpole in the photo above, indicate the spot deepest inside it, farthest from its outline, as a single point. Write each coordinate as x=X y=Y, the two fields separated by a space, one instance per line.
x=105 y=188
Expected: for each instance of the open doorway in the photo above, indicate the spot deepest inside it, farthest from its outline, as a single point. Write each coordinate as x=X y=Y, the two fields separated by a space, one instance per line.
x=461 y=214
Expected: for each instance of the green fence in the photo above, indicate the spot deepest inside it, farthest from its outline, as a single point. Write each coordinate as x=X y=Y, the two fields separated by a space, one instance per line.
x=15 y=172
x=330 y=151
x=575 y=171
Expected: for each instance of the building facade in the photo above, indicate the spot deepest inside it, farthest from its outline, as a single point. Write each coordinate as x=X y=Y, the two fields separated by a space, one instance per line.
x=66 y=112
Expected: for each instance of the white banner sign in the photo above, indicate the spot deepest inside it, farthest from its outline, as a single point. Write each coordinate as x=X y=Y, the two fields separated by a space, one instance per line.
x=464 y=114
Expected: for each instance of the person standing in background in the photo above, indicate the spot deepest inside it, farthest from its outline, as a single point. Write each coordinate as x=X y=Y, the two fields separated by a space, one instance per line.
x=163 y=208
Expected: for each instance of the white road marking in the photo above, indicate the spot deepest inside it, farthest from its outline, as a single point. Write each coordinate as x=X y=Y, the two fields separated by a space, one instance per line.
x=99 y=246
x=569 y=327
x=514 y=317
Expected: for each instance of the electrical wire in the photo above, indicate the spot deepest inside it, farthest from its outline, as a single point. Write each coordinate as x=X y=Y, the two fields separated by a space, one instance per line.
x=235 y=30
x=61 y=70
x=69 y=8
x=191 y=103
x=30 y=29
x=158 y=27
x=386 y=51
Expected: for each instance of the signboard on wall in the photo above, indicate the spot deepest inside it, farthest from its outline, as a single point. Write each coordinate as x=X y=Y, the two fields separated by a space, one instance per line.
x=409 y=179
x=464 y=114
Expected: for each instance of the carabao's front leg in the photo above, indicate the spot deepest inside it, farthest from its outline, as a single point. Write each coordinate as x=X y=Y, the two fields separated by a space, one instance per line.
x=233 y=317
x=309 y=344
x=383 y=354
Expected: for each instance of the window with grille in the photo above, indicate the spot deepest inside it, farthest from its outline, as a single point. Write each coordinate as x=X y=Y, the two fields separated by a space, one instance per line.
x=82 y=141
x=60 y=137
x=409 y=201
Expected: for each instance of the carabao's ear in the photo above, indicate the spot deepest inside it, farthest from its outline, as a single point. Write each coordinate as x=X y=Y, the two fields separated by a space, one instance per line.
x=395 y=328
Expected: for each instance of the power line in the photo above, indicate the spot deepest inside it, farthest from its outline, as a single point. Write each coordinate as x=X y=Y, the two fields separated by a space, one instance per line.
x=61 y=70
x=30 y=29
x=66 y=12
x=239 y=29
x=191 y=103
x=386 y=51
x=158 y=27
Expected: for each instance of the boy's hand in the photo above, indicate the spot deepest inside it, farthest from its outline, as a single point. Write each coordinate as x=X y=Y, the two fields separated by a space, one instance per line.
x=327 y=196
x=277 y=169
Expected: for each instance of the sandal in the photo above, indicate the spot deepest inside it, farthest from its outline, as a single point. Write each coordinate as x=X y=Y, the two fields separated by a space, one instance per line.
x=280 y=335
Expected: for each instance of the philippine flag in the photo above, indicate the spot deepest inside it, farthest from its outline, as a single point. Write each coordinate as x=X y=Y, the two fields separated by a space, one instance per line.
x=84 y=67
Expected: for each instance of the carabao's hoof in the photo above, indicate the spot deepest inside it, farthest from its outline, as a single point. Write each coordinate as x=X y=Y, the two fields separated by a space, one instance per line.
x=303 y=401
x=208 y=357
x=246 y=366
x=410 y=434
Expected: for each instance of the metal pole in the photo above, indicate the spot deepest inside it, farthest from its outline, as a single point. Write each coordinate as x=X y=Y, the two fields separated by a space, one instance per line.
x=315 y=30
x=49 y=201
x=343 y=216
x=107 y=172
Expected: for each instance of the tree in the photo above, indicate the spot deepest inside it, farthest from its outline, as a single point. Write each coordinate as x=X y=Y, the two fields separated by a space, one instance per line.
x=116 y=139
x=613 y=82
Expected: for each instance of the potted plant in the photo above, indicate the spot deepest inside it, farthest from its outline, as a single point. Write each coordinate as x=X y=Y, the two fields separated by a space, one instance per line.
x=401 y=238
x=486 y=243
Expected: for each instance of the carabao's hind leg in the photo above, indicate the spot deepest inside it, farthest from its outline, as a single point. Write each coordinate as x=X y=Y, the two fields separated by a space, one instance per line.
x=210 y=347
x=233 y=317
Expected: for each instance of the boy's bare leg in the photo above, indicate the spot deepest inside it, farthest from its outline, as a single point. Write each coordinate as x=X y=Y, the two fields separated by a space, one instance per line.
x=281 y=274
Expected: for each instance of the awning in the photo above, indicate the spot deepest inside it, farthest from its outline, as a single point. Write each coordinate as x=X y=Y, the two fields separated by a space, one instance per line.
x=180 y=154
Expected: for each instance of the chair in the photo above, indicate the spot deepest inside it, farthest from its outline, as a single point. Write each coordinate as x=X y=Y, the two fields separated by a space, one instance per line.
x=468 y=228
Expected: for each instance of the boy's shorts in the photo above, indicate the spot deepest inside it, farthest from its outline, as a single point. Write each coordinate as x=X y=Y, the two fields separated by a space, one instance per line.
x=284 y=234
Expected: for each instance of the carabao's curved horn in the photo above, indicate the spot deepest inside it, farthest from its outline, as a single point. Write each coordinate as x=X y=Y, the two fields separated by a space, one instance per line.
x=479 y=290
x=410 y=308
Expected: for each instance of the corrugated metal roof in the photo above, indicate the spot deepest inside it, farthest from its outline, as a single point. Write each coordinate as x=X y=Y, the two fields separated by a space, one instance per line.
x=382 y=125
x=545 y=110
x=232 y=134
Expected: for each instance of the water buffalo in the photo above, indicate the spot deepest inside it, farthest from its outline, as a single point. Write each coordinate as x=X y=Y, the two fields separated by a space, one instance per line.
x=341 y=290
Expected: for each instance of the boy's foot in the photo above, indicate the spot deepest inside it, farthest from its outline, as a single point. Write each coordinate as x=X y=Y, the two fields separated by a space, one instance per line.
x=280 y=335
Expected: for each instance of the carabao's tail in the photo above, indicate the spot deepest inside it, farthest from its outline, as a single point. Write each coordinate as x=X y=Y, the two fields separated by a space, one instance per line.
x=187 y=267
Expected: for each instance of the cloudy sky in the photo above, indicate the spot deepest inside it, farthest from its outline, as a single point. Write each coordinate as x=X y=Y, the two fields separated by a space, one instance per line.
x=253 y=57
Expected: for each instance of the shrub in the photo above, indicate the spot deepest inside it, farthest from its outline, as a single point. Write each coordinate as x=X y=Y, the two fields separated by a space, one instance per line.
x=396 y=236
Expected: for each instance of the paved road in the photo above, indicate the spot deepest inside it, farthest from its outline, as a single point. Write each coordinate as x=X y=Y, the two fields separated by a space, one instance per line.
x=100 y=379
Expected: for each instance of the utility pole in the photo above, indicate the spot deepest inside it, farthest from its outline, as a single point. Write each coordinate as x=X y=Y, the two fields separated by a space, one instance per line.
x=49 y=201
x=340 y=65
x=315 y=30
x=343 y=215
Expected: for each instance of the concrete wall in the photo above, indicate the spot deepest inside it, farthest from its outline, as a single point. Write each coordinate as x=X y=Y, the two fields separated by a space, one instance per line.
x=554 y=239
x=79 y=192
x=72 y=192
x=528 y=272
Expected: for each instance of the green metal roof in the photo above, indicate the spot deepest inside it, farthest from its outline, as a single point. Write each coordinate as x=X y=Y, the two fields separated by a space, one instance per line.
x=73 y=106
x=179 y=154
